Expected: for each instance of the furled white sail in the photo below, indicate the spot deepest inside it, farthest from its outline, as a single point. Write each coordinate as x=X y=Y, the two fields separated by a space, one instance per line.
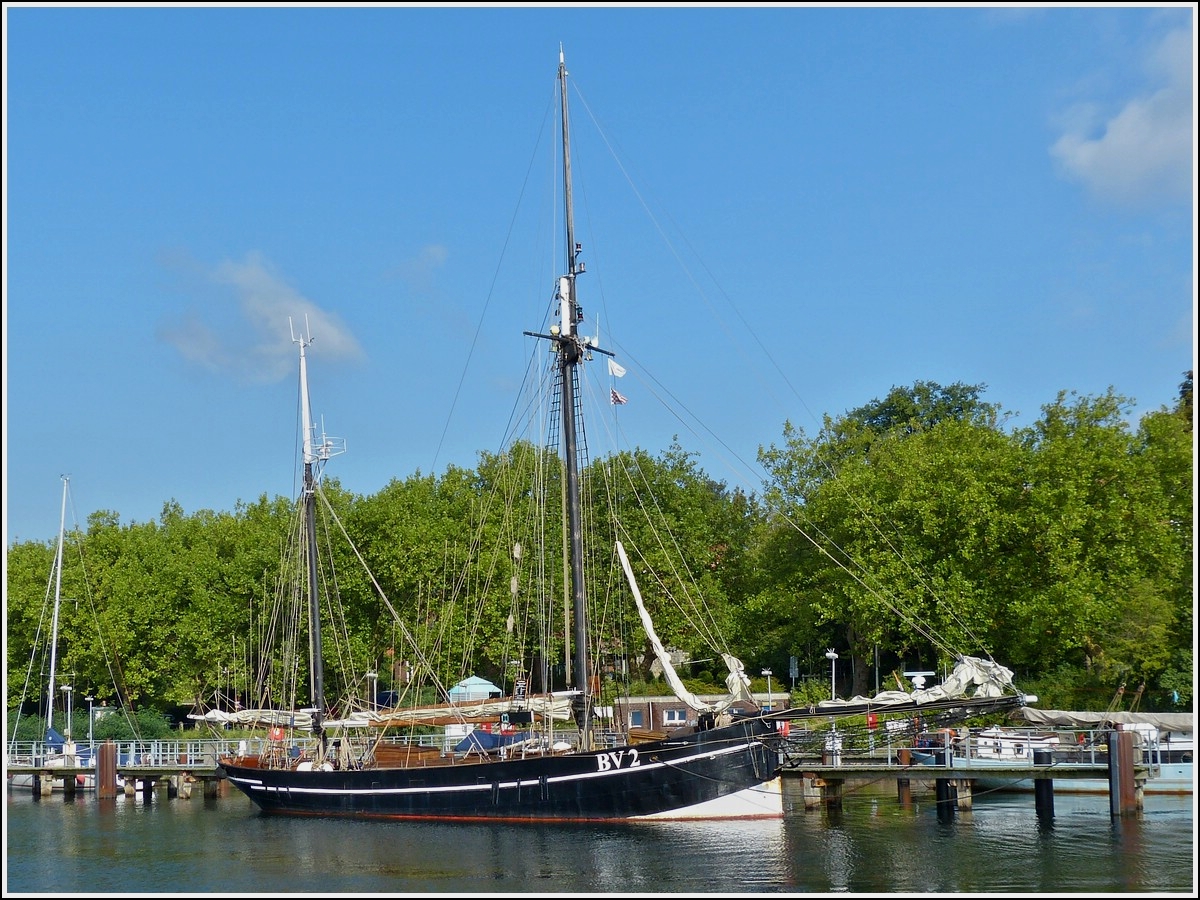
x=552 y=706
x=260 y=718
x=987 y=678
x=737 y=682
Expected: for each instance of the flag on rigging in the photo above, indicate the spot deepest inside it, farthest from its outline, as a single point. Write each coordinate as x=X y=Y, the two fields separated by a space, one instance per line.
x=615 y=368
x=618 y=399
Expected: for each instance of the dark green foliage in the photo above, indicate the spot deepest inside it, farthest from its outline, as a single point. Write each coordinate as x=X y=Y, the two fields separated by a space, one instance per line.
x=916 y=524
x=117 y=725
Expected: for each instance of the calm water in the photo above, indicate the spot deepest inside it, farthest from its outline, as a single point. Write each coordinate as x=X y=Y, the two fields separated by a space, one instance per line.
x=874 y=845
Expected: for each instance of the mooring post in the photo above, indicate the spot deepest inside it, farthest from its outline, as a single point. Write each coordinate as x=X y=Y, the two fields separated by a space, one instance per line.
x=1043 y=788
x=833 y=793
x=106 y=771
x=965 y=789
x=810 y=790
x=1122 y=791
x=945 y=793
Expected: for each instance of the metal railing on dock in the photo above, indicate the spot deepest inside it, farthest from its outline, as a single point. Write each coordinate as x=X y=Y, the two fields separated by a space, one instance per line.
x=109 y=765
x=1111 y=758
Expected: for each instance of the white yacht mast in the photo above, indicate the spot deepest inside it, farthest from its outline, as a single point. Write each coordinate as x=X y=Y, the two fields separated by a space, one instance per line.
x=58 y=557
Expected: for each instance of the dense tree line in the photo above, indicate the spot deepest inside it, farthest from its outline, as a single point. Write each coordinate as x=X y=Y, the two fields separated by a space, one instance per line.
x=908 y=530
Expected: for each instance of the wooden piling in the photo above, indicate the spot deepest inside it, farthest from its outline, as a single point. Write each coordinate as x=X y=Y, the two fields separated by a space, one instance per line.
x=106 y=771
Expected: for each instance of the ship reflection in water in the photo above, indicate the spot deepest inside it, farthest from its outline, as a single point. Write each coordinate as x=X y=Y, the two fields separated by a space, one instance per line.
x=874 y=844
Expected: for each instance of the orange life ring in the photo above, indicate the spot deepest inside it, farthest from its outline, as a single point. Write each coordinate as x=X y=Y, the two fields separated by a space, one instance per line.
x=277 y=734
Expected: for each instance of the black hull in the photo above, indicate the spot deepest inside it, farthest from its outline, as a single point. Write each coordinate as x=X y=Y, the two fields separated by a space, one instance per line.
x=728 y=772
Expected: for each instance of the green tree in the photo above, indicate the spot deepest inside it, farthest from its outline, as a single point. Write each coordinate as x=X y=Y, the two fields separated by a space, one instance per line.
x=883 y=522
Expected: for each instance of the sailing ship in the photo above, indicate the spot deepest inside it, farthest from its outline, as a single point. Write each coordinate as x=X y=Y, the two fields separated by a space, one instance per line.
x=538 y=756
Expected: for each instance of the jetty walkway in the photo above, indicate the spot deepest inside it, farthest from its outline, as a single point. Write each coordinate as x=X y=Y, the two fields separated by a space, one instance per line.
x=131 y=766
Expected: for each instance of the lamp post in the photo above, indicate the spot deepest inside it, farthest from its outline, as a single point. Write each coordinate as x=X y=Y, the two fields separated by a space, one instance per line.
x=832 y=657
x=67 y=689
x=770 y=702
x=373 y=678
x=89 y=698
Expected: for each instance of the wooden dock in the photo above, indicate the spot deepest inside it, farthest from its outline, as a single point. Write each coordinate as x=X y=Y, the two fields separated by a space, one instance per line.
x=146 y=775
x=824 y=785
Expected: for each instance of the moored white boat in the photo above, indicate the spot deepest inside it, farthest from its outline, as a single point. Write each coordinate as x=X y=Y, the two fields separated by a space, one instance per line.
x=55 y=753
x=1163 y=743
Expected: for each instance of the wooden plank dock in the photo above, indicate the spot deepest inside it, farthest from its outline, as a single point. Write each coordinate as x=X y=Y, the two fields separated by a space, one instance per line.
x=823 y=784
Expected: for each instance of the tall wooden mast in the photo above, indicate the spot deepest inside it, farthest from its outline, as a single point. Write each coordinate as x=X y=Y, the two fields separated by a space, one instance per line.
x=570 y=352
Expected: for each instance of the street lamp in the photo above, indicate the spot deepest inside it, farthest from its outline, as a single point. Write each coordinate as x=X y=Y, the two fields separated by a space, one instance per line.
x=373 y=678
x=770 y=702
x=89 y=698
x=67 y=690
x=832 y=657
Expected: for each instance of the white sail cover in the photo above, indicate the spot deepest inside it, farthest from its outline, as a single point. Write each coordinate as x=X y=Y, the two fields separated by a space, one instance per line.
x=736 y=681
x=987 y=678
x=552 y=706
x=1180 y=722
x=252 y=718
x=556 y=706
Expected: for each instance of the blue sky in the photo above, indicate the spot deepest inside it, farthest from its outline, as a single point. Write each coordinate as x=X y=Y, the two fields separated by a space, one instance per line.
x=844 y=199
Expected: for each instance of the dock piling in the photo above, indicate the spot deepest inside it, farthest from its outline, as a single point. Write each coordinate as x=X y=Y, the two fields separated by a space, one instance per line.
x=1043 y=788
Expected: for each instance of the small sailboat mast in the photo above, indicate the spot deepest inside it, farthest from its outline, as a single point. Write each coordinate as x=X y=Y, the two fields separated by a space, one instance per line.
x=311 y=457
x=570 y=351
x=58 y=560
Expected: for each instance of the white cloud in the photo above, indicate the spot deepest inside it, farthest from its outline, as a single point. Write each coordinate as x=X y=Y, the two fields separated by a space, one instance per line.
x=420 y=272
x=251 y=339
x=1142 y=153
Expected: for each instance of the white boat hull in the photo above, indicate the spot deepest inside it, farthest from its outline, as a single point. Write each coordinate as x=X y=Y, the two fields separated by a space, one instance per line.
x=82 y=782
x=1170 y=778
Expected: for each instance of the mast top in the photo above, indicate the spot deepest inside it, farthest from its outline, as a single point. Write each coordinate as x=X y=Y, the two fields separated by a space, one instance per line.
x=317 y=449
